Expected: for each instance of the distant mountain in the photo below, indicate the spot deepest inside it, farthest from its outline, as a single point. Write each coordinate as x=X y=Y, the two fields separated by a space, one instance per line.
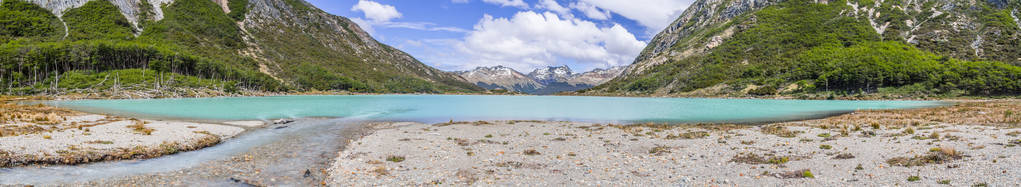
x=178 y=46
x=551 y=74
x=542 y=81
x=913 y=48
x=499 y=77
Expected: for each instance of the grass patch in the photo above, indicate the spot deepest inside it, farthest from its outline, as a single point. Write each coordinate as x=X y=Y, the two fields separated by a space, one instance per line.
x=140 y=128
x=826 y=147
x=752 y=158
x=100 y=142
x=659 y=150
x=395 y=158
x=688 y=135
x=780 y=131
x=914 y=178
x=803 y=173
x=824 y=135
x=842 y=156
x=934 y=156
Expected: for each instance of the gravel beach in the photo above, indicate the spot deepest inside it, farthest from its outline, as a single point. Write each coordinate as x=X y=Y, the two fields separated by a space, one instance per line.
x=872 y=148
x=88 y=138
x=568 y=153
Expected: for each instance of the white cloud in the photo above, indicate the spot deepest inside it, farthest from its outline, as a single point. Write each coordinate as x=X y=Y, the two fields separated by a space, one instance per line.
x=591 y=11
x=552 y=5
x=459 y=1
x=375 y=11
x=653 y=14
x=425 y=26
x=530 y=40
x=513 y=3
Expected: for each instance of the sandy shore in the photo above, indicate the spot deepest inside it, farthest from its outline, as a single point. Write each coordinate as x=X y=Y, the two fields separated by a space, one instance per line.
x=968 y=144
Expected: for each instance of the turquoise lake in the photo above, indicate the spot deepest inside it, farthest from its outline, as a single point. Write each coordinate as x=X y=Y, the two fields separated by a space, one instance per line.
x=442 y=108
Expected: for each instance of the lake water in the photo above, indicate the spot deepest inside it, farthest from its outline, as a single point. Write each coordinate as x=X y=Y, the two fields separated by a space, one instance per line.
x=442 y=108
x=421 y=108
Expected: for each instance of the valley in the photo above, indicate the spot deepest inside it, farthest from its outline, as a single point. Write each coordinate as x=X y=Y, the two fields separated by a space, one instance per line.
x=379 y=93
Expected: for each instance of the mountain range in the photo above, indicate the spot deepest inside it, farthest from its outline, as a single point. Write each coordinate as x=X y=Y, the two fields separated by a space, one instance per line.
x=541 y=81
x=168 y=48
x=174 y=47
x=912 y=48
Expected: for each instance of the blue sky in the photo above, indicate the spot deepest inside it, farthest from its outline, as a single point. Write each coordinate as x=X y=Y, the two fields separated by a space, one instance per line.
x=521 y=34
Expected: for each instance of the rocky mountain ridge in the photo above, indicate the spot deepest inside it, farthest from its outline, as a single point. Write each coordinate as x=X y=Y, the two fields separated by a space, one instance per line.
x=744 y=47
x=296 y=44
x=542 y=81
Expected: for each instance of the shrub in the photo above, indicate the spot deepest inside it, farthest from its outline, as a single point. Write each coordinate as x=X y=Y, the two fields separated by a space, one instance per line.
x=914 y=178
x=395 y=158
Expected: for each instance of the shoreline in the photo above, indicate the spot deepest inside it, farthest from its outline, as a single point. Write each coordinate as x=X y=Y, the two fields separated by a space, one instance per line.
x=81 y=96
x=891 y=121
x=961 y=145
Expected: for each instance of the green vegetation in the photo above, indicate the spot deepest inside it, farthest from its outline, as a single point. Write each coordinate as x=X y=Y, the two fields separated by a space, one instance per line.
x=195 y=45
x=22 y=19
x=395 y=158
x=24 y=68
x=824 y=146
x=935 y=156
x=752 y=158
x=820 y=50
x=238 y=9
x=97 y=20
x=914 y=178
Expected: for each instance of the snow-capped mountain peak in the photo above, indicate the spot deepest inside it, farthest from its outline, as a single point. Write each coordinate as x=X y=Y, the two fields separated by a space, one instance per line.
x=546 y=80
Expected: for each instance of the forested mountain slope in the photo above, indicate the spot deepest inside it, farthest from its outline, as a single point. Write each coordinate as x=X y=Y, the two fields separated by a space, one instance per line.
x=791 y=47
x=179 y=47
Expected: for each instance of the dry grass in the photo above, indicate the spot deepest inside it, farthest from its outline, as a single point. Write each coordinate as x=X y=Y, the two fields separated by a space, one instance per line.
x=752 y=158
x=139 y=127
x=803 y=173
x=780 y=131
x=934 y=156
x=18 y=119
x=688 y=135
x=659 y=150
x=75 y=156
x=999 y=113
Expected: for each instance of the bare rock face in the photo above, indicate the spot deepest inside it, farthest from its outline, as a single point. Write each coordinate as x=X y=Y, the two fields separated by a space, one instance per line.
x=546 y=80
x=131 y=9
x=948 y=27
x=276 y=26
x=552 y=74
x=700 y=15
x=500 y=77
x=283 y=34
x=974 y=30
x=596 y=77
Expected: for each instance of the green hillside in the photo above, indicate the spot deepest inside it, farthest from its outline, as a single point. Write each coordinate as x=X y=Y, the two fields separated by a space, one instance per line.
x=195 y=45
x=800 y=47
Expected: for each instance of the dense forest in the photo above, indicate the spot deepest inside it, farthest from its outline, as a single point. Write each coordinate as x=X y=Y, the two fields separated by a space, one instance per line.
x=816 y=48
x=37 y=56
